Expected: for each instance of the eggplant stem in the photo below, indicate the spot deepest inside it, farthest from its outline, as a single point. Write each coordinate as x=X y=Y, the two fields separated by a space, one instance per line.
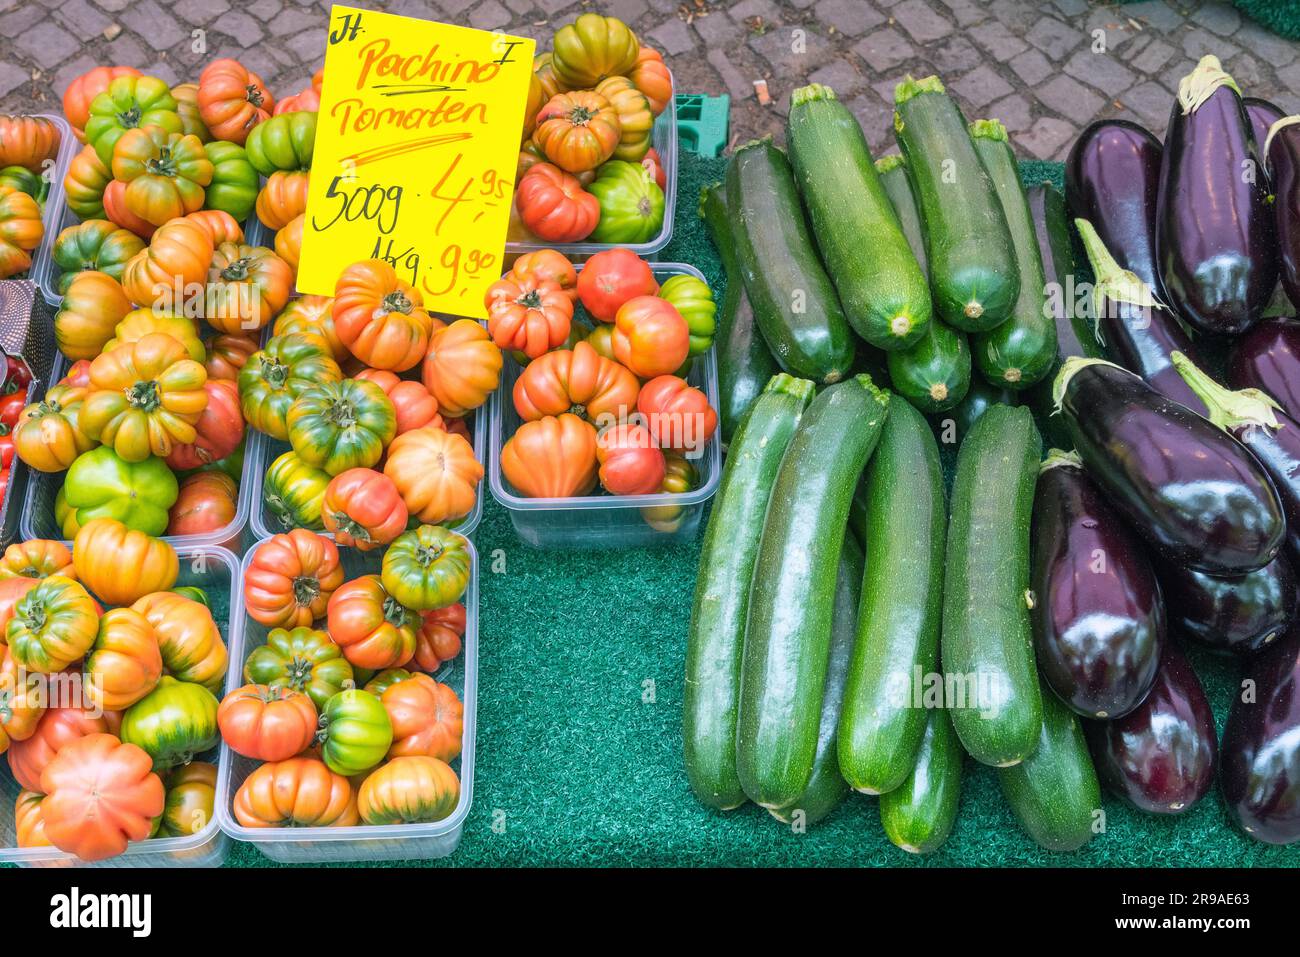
x=1112 y=282
x=1068 y=369
x=1275 y=129
x=1199 y=85
x=1229 y=410
x=1056 y=458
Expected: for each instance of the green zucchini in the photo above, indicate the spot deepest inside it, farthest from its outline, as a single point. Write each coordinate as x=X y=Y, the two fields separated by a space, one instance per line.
x=1054 y=791
x=987 y=653
x=1075 y=335
x=902 y=598
x=794 y=301
x=827 y=786
x=953 y=425
x=717 y=632
x=918 y=814
x=892 y=170
x=881 y=287
x=787 y=638
x=744 y=363
x=972 y=262
x=1020 y=351
x=934 y=374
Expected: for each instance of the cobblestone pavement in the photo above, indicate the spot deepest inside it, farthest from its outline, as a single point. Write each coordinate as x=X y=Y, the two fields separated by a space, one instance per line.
x=1044 y=67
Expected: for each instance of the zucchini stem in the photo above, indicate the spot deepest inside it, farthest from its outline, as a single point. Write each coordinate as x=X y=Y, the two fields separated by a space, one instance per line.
x=1229 y=410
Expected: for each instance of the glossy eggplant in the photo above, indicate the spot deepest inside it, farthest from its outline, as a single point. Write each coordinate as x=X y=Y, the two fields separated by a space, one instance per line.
x=1184 y=484
x=1135 y=329
x=1241 y=614
x=1099 y=622
x=1261 y=747
x=1268 y=358
x=1160 y=757
x=1257 y=422
x=1216 y=245
x=1283 y=147
x=1262 y=115
x=1112 y=179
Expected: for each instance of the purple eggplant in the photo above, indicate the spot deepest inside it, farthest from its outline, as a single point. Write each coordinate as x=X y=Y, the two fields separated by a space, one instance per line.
x=1136 y=330
x=1215 y=241
x=1262 y=115
x=1261 y=746
x=1242 y=614
x=1284 y=175
x=1256 y=421
x=1268 y=358
x=1112 y=179
x=1185 y=485
x=1099 y=622
x=1160 y=757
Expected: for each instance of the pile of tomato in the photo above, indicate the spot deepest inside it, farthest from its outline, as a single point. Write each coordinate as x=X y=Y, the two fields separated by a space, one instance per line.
x=28 y=147
x=604 y=400
x=348 y=720
x=586 y=168
x=13 y=399
x=106 y=709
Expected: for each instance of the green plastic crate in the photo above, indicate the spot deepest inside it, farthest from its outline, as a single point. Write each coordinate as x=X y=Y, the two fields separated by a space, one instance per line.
x=702 y=122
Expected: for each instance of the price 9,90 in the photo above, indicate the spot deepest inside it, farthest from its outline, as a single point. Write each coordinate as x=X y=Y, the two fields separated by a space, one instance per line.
x=460 y=265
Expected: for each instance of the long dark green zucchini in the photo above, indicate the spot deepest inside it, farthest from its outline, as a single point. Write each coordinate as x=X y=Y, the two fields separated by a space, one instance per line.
x=934 y=373
x=972 y=262
x=881 y=287
x=787 y=640
x=1020 y=351
x=744 y=363
x=952 y=427
x=918 y=814
x=717 y=633
x=794 y=301
x=1054 y=790
x=1075 y=335
x=987 y=650
x=827 y=787
x=902 y=600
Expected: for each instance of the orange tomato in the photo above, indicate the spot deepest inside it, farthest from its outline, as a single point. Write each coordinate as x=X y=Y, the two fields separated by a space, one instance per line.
x=363 y=508
x=580 y=381
x=265 y=723
x=232 y=100
x=190 y=642
x=37 y=558
x=290 y=579
x=553 y=205
x=427 y=718
x=528 y=314
x=553 y=457
x=56 y=728
x=299 y=792
x=435 y=472
x=650 y=336
x=462 y=367
x=440 y=637
x=125 y=662
x=380 y=318
x=679 y=415
x=122 y=565
x=630 y=463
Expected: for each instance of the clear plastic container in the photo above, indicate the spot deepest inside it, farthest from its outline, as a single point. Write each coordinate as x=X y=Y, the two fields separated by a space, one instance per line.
x=51 y=216
x=263 y=450
x=663 y=138
x=605 y=521
x=215 y=570
x=37 y=520
x=395 y=842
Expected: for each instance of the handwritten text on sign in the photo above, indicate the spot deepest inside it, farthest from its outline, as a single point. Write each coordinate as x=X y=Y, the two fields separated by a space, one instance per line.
x=415 y=155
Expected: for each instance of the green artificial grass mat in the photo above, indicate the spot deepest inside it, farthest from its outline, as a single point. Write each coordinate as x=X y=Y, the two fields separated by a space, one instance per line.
x=1280 y=16
x=579 y=756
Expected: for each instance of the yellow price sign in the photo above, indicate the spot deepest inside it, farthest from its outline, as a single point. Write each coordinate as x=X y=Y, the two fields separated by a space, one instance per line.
x=414 y=162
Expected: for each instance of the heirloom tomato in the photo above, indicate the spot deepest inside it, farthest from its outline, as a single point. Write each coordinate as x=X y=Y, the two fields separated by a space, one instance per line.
x=528 y=314
x=356 y=732
x=548 y=264
x=232 y=100
x=235 y=184
x=578 y=131
x=247 y=286
x=294 y=492
x=413 y=404
x=48 y=436
x=92 y=306
x=283 y=199
x=694 y=301
x=173 y=723
x=227 y=355
x=612 y=277
x=53 y=625
x=118 y=213
x=288 y=242
x=650 y=75
x=553 y=457
x=409 y=790
x=435 y=473
x=303 y=659
x=337 y=426
x=101 y=484
x=207 y=502
x=314 y=315
x=426 y=568
x=462 y=367
x=635 y=118
x=82 y=91
x=220 y=225
x=283 y=142
x=272 y=378
x=21 y=231
x=56 y=728
x=36 y=558
x=630 y=462
x=165 y=275
x=373 y=628
x=440 y=637
x=427 y=718
x=300 y=792
x=23 y=697
x=100 y=793
x=84 y=184
x=679 y=477
x=591 y=48
x=120 y=564
x=190 y=642
x=553 y=205
x=650 y=337
x=128 y=103
x=218 y=431
x=125 y=663
x=165 y=173
x=191 y=799
x=631 y=204
x=186 y=96
x=580 y=381
x=97 y=245
x=678 y=415
x=363 y=509
x=385 y=680
x=380 y=318
x=29 y=828
x=291 y=578
x=138 y=323
x=267 y=723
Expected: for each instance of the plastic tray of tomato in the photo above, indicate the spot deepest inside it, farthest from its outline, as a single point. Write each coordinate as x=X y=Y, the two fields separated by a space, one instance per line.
x=53 y=205
x=393 y=842
x=216 y=570
x=601 y=520
x=663 y=139
x=263 y=450
x=38 y=521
